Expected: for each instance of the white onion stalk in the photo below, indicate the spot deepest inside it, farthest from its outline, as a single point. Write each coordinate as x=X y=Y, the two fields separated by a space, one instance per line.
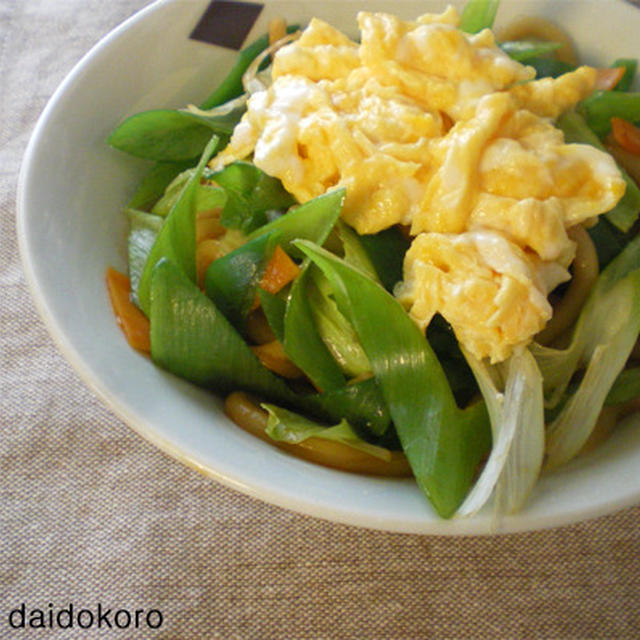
x=513 y=393
x=252 y=81
x=221 y=110
x=608 y=351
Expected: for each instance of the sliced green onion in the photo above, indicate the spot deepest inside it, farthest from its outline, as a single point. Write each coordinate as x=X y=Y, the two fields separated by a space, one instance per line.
x=513 y=393
x=292 y=428
x=177 y=238
x=478 y=15
x=143 y=231
x=444 y=444
x=524 y=50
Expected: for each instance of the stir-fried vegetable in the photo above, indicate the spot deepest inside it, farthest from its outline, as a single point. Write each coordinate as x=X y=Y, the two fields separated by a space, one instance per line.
x=237 y=287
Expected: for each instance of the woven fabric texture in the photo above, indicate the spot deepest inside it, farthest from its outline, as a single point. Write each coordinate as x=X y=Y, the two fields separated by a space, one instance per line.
x=92 y=514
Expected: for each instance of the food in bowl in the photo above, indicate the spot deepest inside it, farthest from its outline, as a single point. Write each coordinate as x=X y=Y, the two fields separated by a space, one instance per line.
x=360 y=245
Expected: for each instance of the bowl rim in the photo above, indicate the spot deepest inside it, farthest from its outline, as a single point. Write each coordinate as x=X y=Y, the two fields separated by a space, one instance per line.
x=472 y=526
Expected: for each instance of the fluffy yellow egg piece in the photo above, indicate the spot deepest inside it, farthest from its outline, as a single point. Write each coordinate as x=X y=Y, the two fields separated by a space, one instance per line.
x=438 y=130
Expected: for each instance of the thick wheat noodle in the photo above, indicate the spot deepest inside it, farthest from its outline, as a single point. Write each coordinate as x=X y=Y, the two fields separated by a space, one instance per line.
x=585 y=272
x=535 y=28
x=248 y=415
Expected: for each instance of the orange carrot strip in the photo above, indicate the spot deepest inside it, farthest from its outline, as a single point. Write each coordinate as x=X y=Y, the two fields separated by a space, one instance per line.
x=278 y=273
x=608 y=77
x=132 y=321
x=273 y=357
x=626 y=134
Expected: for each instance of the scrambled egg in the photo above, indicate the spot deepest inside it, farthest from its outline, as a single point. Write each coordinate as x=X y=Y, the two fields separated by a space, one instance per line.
x=441 y=131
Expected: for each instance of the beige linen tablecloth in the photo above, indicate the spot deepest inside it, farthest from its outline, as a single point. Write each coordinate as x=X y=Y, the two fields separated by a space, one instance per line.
x=91 y=515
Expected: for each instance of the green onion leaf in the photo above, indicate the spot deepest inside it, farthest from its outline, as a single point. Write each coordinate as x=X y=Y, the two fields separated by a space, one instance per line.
x=601 y=106
x=312 y=221
x=478 y=15
x=336 y=331
x=523 y=50
x=156 y=182
x=603 y=338
x=251 y=196
x=550 y=67
x=354 y=251
x=607 y=354
x=169 y=135
x=143 y=231
x=231 y=87
x=444 y=444
x=303 y=342
x=630 y=66
x=386 y=251
x=172 y=193
x=361 y=403
x=191 y=338
x=177 y=238
x=290 y=427
x=274 y=308
x=232 y=280
x=625 y=388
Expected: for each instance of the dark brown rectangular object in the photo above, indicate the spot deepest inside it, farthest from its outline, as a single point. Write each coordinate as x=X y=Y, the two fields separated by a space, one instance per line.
x=226 y=23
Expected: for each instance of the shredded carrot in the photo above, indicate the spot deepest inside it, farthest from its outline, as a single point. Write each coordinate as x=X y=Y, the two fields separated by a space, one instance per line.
x=278 y=273
x=626 y=134
x=608 y=78
x=132 y=321
x=273 y=357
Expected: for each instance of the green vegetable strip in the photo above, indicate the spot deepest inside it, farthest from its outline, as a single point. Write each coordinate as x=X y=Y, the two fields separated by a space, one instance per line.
x=155 y=183
x=608 y=355
x=334 y=329
x=177 y=238
x=478 y=15
x=251 y=195
x=143 y=231
x=354 y=251
x=192 y=339
x=625 y=388
x=232 y=280
x=630 y=66
x=608 y=241
x=231 y=87
x=443 y=443
x=361 y=403
x=550 y=67
x=593 y=327
x=386 y=251
x=601 y=106
x=274 y=308
x=302 y=342
x=171 y=194
x=312 y=220
x=523 y=50
x=169 y=135
x=290 y=427
x=625 y=213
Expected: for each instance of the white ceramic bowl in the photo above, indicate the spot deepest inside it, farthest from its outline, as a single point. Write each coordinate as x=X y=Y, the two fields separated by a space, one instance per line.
x=73 y=186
